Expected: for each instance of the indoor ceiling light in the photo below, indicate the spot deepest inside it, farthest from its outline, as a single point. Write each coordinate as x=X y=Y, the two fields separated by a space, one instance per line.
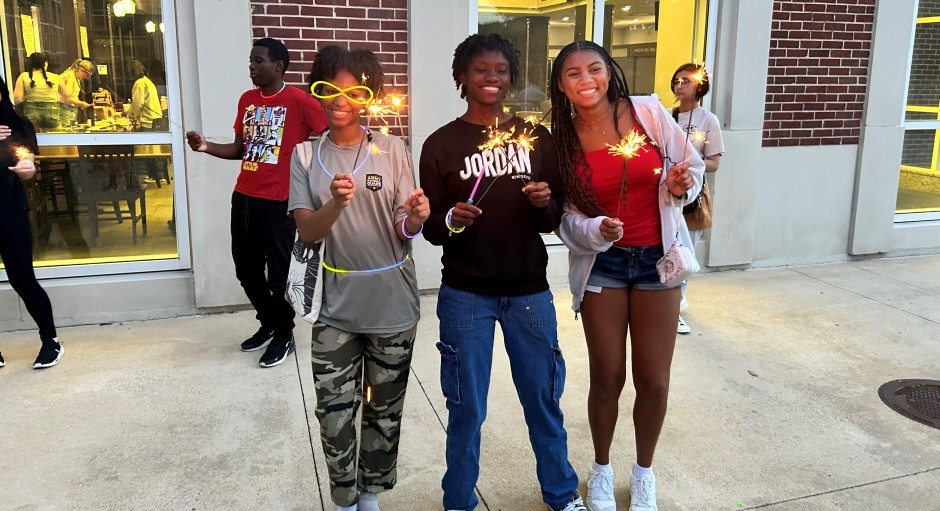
x=124 y=7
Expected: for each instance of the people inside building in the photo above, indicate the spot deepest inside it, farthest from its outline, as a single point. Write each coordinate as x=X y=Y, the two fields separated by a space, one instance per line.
x=489 y=207
x=18 y=147
x=622 y=215
x=70 y=91
x=145 y=101
x=38 y=90
x=271 y=119
x=354 y=189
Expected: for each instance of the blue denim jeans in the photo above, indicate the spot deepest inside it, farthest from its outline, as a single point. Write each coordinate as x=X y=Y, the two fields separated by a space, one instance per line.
x=530 y=331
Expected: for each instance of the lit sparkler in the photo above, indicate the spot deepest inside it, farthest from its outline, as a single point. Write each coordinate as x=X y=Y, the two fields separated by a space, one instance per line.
x=497 y=138
x=697 y=78
x=629 y=146
x=368 y=393
x=23 y=153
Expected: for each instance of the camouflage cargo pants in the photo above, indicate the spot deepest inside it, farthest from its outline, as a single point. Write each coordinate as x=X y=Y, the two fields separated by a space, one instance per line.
x=349 y=368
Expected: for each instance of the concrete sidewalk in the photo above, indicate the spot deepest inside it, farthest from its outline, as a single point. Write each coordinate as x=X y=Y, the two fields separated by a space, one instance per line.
x=170 y=415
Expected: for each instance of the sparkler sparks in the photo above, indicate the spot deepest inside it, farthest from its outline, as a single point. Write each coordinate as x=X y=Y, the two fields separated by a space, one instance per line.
x=629 y=146
x=496 y=138
x=699 y=136
x=23 y=153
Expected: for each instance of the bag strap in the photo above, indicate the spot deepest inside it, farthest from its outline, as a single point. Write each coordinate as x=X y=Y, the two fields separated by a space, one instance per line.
x=306 y=153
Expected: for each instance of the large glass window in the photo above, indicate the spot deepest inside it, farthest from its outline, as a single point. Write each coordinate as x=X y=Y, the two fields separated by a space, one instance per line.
x=87 y=66
x=91 y=76
x=919 y=184
x=110 y=203
x=648 y=41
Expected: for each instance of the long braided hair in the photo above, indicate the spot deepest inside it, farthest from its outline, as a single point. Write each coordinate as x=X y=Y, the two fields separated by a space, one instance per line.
x=575 y=171
x=37 y=62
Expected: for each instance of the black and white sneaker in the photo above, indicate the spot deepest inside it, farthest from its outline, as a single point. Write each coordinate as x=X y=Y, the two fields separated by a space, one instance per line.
x=49 y=354
x=2 y=363
x=281 y=346
x=259 y=340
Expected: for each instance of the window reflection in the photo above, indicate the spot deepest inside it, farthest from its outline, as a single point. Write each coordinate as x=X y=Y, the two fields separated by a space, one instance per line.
x=647 y=40
x=538 y=32
x=80 y=64
x=92 y=204
x=919 y=182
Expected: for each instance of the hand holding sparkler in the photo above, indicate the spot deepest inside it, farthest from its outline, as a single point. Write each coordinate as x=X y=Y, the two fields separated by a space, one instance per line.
x=5 y=132
x=679 y=180
x=463 y=215
x=342 y=188
x=417 y=208
x=25 y=168
x=611 y=229
x=538 y=192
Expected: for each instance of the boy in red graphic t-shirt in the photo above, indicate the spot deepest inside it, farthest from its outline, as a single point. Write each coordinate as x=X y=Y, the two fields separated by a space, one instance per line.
x=272 y=119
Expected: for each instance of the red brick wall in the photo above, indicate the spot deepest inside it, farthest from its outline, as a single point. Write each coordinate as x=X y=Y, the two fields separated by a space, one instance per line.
x=818 y=74
x=306 y=25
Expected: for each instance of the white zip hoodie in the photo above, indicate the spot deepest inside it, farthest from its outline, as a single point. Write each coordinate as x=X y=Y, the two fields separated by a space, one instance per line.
x=582 y=234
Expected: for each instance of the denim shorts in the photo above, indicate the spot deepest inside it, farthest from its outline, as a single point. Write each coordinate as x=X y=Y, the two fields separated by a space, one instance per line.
x=621 y=267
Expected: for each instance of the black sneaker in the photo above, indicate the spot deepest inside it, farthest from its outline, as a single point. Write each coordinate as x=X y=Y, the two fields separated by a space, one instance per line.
x=277 y=352
x=49 y=354
x=259 y=340
x=2 y=363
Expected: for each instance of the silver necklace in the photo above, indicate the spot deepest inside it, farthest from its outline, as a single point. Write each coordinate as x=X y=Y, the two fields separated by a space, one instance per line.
x=599 y=119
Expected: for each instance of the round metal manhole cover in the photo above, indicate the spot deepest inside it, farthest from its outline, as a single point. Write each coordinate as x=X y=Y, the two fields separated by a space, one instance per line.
x=915 y=399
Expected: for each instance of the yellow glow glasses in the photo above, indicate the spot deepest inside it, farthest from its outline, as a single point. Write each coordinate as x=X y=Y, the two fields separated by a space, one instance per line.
x=358 y=94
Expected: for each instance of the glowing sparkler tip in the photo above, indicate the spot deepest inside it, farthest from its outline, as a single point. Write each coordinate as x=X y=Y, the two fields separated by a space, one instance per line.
x=369 y=394
x=699 y=136
x=658 y=170
x=396 y=101
x=384 y=130
x=629 y=146
x=376 y=149
x=23 y=153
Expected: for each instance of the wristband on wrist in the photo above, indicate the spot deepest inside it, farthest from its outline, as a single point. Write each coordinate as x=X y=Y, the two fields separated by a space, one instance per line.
x=407 y=234
x=450 y=226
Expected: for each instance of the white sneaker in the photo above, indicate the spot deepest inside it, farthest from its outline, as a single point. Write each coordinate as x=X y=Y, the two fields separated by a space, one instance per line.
x=682 y=328
x=600 y=492
x=575 y=504
x=643 y=493
x=368 y=501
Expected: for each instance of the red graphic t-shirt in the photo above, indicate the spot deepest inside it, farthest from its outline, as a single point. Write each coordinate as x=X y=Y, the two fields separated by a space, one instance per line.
x=270 y=127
